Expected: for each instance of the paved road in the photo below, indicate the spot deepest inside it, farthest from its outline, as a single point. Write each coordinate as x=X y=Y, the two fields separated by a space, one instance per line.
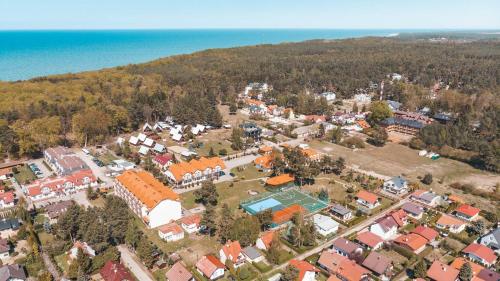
x=348 y=232
x=131 y=262
x=99 y=172
x=50 y=266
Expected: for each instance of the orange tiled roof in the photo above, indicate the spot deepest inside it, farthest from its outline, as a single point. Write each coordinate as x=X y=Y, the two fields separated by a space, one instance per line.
x=146 y=188
x=265 y=149
x=309 y=152
x=363 y=124
x=208 y=265
x=255 y=102
x=468 y=210
x=180 y=169
x=265 y=161
x=367 y=196
x=412 y=240
x=303 y=267
x=267 y=238
x=171 y=227
x=456 y=198
x=442 y=272
x=369 y=238
x=287 y=213
x=459 y=262
x=447 y=220
x=279 y=180
x=233 y=249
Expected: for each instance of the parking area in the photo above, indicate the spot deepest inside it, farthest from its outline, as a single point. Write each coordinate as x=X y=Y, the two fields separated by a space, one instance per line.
x=79 y=197
x=39 y=168
x=98 y=171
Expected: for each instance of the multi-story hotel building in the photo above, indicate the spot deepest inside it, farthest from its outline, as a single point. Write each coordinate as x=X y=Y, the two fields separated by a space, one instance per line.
x=155 y=203
x=194 y=172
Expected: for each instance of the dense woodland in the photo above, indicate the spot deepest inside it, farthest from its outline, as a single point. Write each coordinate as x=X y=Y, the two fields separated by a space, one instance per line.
x=92 y=106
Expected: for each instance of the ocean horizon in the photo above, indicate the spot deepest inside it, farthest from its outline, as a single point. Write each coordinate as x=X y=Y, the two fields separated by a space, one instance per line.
x=26 y=54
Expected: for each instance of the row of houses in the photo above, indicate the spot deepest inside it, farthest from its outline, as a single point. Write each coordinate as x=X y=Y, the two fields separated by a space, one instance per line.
x=194 y=172
x=63 y=160
x=61 y=185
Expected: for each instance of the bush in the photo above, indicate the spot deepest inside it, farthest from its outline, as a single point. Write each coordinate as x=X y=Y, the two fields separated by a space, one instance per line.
x=427 y=179
x=244 y=273
x=353 y=142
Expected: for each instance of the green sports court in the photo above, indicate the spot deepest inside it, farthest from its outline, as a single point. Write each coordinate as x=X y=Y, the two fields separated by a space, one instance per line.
x=280 y=200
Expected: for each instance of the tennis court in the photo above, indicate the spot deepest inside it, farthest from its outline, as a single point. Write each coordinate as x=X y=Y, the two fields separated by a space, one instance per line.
x=282 y=199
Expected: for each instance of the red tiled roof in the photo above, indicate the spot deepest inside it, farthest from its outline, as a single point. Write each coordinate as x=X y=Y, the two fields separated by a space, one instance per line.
x=367 y=196
x=351 y=271
x=331 y=260
x=178 y=272
x=399 y=216
x=233 y=249
x=481 y=251
x=170 y=228
x=163 y=159
x=303 y=267
x=468 y=210
x=426 y=232
x=442 y=272
x=447 y=220
x=7 y=197
x=208 y=265
x=192 y=219
x=114 y=271
x=369 y=238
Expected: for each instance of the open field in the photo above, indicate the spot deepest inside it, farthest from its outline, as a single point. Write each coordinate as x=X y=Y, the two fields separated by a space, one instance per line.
x=24 y=175
x=229 y=193
x=394 y=159
x=336 y=191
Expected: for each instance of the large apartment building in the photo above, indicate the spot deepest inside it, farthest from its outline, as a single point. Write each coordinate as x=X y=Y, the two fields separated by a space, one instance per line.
x=194 y=172
x=63 y=161
x=155 y=203
x=52 y=187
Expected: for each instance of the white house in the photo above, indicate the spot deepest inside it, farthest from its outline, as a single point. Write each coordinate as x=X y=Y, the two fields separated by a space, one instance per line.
x=329 y=96
x=232 y=251
x=386 y=228
x=7 y=199
x=396 y=185
x=149 y=142
x=73 y=252
x=341 y=212
x=171 y=232
x=194 y=172
x=143 y=150
x=367 y=199
x=265 y=240
x=428 y=198
x=210 y=267
x=153 y=202
x=191 y=224
x=133 y=140
x=325 y=225
x=451 y=224
x=492 y=240
x=142 y=137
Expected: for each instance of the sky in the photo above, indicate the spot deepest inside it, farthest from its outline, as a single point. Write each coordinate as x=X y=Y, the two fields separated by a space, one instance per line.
x=180 y=14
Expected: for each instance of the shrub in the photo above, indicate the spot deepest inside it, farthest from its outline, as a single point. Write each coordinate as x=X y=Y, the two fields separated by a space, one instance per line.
x=353 y=142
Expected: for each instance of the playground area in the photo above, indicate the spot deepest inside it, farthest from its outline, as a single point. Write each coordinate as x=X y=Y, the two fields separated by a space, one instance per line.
x=280 y=200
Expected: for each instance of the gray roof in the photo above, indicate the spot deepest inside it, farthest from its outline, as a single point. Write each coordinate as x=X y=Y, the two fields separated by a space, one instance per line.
x=404 y=122
x=251 y=252
x=339 y=209
x=9 y=224
x=398 y=181
x=345 y=245
x=14 y=271
x=428 y=196
x=496 y=234
x=413 y=208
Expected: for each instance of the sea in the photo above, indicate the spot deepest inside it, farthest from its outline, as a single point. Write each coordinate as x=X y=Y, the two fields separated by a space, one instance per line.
x=29 y=54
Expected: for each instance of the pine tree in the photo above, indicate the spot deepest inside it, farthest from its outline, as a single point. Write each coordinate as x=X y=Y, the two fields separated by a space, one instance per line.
x=207 y=194
x=209 y=220
x=225 y=223
x=465 y=273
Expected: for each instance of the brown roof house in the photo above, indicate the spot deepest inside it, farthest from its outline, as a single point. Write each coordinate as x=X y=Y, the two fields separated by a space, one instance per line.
x=178 y=272
x=379 y=264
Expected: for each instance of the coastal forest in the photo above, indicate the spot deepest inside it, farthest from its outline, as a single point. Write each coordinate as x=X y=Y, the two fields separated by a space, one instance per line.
x=90 y=107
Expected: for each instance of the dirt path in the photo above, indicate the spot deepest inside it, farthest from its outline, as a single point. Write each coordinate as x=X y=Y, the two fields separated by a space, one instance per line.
x=50 y=266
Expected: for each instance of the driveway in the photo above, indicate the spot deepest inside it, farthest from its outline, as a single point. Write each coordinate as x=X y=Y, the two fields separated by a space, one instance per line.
x=132 y=262
x=99 y=172
x=79 y=197
x=39 y=162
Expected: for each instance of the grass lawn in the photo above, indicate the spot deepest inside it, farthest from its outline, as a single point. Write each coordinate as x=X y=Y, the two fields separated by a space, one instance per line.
x=62 y=262
x=45 y=238
x=160 y=274
x=229 y=193
x=191 y=248
x=336 y=192
x=217 y=145
x=99 y=202
x=24 y=175
x=262 y=266
x=107 y=158
x=248 y=172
